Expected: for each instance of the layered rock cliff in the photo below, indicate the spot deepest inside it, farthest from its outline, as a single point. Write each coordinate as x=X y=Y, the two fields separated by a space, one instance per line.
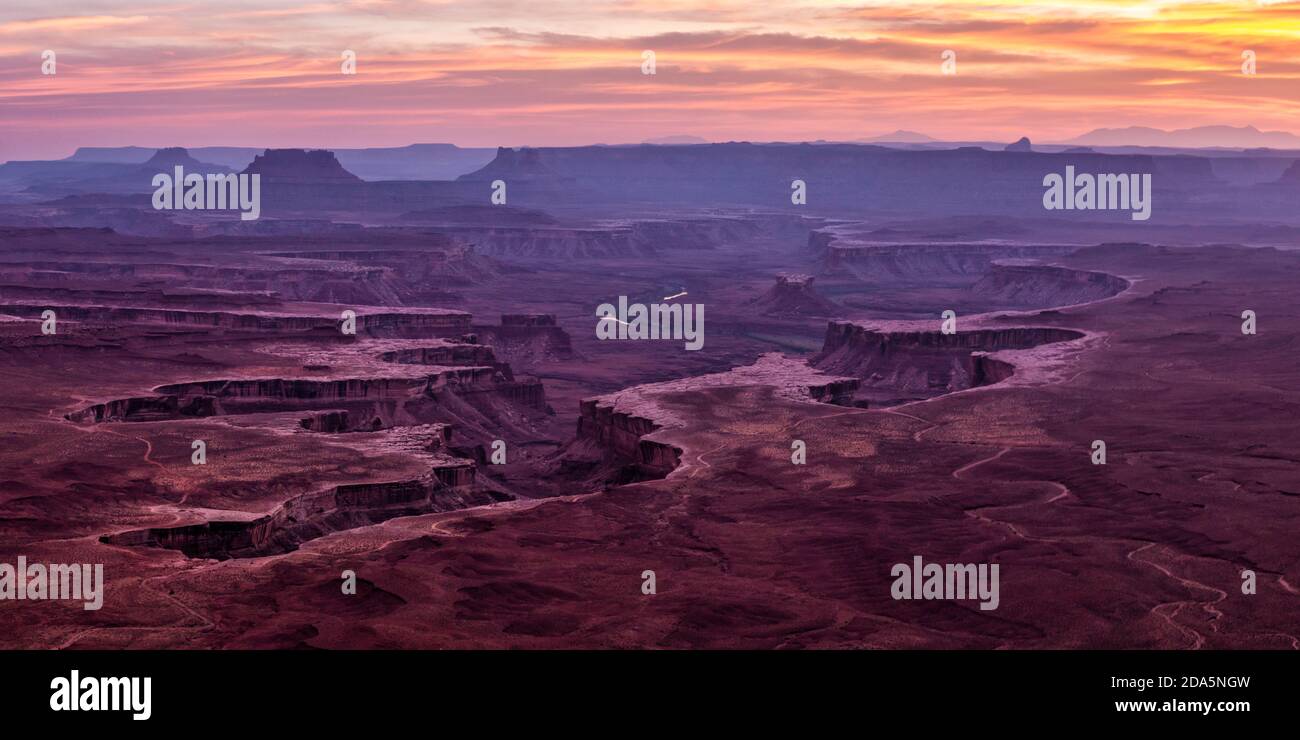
x=927 y=362
x=1042 y=286
x=429 y=322
x=448 y=486
x=621 y=434
x=371 y=397
x=946 y=263
x=526 y=340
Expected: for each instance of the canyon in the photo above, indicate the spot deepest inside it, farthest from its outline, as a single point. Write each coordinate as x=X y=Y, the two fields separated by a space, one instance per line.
x=496 y=476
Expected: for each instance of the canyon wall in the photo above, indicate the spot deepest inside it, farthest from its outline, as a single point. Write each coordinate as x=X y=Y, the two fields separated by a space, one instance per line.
x=621 y=434
x=526 y=340
x=368 y=398
x=449 y=486
x=961 y=263
x=1043 y=286
x=926 y=362
x=387 y=324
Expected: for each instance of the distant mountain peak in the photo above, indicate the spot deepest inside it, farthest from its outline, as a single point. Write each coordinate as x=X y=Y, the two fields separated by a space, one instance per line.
x=167 y=158
x=793 y=295
x=1200 y=137
x=903 y=136
x=172 y=156
x=1020 y=145
x=300 y=165
x=525 y=162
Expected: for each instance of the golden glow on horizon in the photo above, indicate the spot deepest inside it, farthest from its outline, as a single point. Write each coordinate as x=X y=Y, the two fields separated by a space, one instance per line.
x=548 y=72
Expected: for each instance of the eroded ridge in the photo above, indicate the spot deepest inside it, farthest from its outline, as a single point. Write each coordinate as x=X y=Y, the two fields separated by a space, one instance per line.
x=450 y=483
x=924 y=363
x=412 y=393
x=625 y=430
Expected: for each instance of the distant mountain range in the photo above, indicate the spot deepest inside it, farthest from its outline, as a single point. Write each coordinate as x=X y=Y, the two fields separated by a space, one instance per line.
x=1229 y=137
x=412 y=162
x=905 y=180
x=902 y=137
x=448 y=161
x=676 y=140
x=1201 y=137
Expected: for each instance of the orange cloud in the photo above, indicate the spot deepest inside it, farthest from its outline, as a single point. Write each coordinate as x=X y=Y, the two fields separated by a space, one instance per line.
x=549 y=72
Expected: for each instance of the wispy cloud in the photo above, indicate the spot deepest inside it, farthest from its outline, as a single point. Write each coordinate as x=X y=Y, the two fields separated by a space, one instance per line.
x=547 y=72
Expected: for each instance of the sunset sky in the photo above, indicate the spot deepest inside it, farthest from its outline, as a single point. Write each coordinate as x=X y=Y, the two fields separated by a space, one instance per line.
x=541 y=72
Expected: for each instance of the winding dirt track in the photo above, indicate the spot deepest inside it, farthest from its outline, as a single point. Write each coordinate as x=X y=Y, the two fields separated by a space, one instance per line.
x=1164 y=611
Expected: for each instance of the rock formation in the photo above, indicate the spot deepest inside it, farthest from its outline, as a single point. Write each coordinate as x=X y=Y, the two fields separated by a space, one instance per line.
x=926 y=362
x=300 y=166
x=164 y=160
x=1034 y=286
x=793 y=296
